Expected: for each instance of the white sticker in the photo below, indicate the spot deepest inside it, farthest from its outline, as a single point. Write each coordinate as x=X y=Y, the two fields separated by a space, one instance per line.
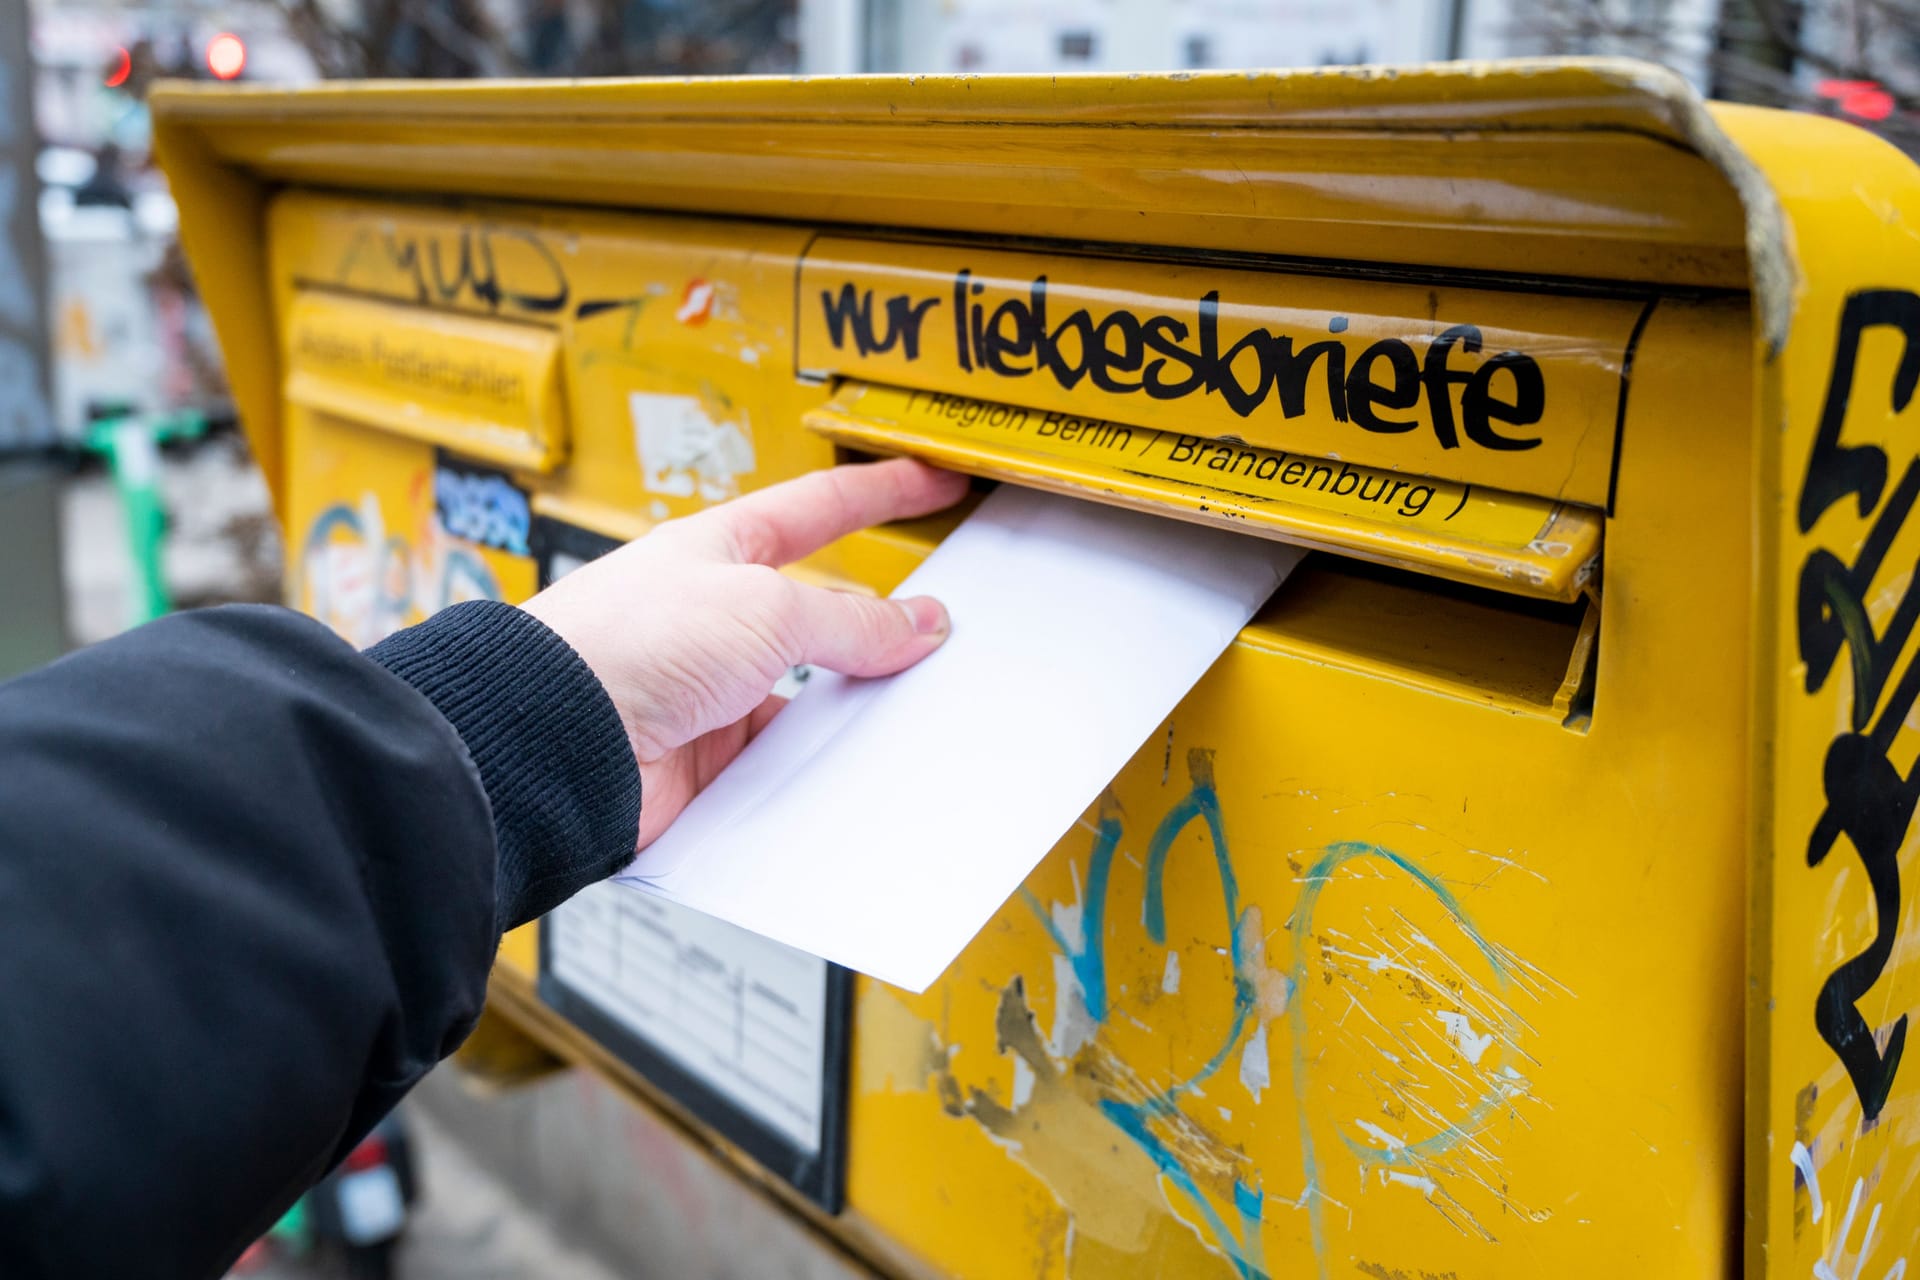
x=683 y=451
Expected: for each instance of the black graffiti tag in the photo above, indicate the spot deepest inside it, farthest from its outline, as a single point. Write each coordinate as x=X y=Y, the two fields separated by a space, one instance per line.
x=467 y=265
x=1869 y=800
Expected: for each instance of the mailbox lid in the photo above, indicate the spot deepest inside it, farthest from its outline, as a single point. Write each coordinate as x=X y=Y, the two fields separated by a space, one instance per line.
x=1509 y=172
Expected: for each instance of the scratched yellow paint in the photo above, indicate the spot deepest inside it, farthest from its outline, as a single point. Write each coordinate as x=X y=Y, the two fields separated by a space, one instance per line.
x=1411 y=945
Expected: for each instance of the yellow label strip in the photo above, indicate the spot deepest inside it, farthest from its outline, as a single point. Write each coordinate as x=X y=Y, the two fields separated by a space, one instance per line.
x=1461 y=531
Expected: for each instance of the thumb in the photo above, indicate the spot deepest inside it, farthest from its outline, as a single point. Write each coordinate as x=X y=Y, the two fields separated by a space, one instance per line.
x=860 y=635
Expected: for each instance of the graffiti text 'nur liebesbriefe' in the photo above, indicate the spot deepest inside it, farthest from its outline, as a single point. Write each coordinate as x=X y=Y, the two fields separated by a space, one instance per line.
x=1388 y=386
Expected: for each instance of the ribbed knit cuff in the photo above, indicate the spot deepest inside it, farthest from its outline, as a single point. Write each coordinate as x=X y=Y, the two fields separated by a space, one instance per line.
x=552 y=755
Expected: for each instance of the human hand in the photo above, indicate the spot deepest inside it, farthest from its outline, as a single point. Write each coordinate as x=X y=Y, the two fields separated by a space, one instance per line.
x=689 y=627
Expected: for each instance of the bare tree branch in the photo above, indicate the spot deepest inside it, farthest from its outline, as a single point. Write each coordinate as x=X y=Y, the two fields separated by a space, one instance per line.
x=456 y=38
x=481 y=46
x=463 y=41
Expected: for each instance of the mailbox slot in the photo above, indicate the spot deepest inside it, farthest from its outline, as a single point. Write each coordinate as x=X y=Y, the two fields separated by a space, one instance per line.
x=1522 y=654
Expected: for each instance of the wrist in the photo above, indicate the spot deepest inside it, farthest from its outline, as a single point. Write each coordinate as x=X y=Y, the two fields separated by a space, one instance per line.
x=552 y=754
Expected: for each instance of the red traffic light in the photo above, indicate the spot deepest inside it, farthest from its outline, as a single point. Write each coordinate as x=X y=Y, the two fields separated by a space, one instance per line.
x=1862 y=99
x=121 y=69
x=226 y=56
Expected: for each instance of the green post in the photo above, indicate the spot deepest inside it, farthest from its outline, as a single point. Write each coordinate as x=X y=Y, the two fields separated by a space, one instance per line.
x=131 y=444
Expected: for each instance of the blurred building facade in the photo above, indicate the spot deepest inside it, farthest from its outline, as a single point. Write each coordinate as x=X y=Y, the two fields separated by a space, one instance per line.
x=1125 y=35
x=1858 y=58
x=30 y=618
x=24 y=417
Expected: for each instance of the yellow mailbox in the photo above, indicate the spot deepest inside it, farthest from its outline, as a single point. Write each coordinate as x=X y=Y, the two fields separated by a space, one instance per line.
x=1520 y=896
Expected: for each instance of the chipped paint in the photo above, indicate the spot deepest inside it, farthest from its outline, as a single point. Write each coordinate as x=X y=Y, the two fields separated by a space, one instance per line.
x=1388 y=1142
x=696 y=303
x=1418 y=1183
x=1073 y=1022
x=684 y=450
x=1063 y=1131
x=1254 y=1072
x=1272 y=988
x=1460 y=1028
x=1022 y=1082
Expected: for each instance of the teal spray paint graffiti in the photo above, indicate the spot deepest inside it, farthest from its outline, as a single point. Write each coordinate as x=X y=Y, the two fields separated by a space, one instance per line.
x=1240 y=1243
x=365 y=582
x=1087 y=957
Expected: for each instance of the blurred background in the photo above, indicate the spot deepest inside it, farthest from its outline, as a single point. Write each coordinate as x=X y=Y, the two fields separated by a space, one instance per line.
x=125 y=489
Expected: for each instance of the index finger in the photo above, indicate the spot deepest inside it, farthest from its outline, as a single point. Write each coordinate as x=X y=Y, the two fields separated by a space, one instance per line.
x=794 y=519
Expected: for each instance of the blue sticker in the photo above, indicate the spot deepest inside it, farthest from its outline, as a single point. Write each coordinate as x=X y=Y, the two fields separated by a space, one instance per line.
x=482 y=507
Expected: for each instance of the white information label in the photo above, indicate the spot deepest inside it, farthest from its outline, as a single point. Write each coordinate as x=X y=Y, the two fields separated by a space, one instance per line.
x=744 y=1014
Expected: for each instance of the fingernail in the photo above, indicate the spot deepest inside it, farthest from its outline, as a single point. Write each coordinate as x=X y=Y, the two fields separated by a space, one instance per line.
x=929 y=615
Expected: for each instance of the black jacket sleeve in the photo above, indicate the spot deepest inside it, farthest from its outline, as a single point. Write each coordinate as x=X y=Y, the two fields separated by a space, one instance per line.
x=250 y=885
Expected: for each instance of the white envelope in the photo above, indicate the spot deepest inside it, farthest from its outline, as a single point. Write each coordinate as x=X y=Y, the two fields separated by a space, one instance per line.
x=881 y=823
